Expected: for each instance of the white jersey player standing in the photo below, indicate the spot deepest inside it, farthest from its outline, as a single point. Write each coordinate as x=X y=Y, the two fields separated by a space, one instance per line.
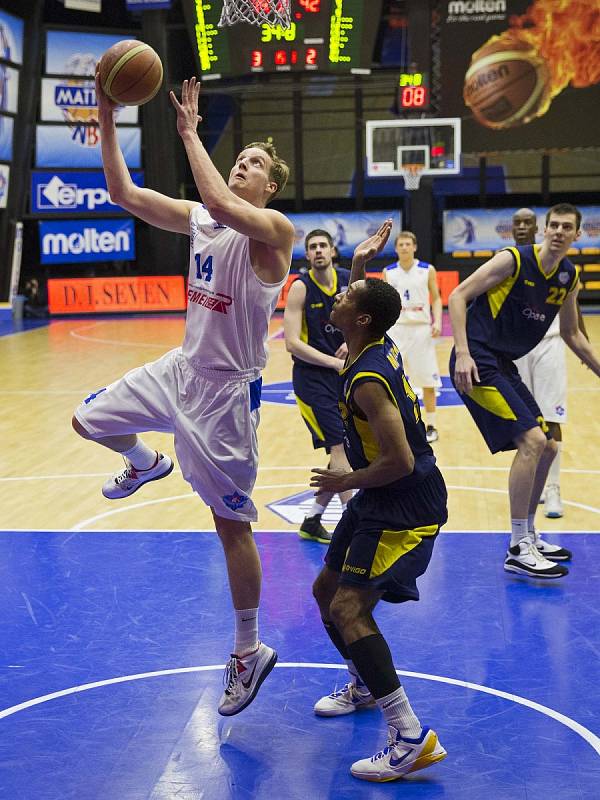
x=207 y=393
x=414 y=331
x=544 y=372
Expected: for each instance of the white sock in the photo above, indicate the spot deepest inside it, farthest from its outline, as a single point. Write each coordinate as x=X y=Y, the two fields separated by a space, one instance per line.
x=141 y=456
x=519 y=530
x=246 y=631
x=398 y=712
x=553 y=478
x=533 y=534
x=355 y=678
x=430 y=417
x=316 y=508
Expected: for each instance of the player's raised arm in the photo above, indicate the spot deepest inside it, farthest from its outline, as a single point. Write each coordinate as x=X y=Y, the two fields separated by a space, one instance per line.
x=368 y=249
x=241 y=203
x=146 y=204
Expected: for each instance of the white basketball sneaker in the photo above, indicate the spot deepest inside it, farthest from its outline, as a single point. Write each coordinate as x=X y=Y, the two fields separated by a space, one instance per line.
x=525 y=559
x=243 y=678
x=400 y=757
x=553 y=552
x=130 y=479
x=344 y=701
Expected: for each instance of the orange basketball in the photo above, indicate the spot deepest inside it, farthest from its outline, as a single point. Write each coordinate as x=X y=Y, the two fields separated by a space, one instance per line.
x=131 y=72
x=507 y=84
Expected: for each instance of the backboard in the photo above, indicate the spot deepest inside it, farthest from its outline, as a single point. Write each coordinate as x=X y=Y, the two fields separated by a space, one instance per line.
x=432 y=143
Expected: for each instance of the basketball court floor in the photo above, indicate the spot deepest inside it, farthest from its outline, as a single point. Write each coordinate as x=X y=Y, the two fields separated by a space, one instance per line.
x=117 y=620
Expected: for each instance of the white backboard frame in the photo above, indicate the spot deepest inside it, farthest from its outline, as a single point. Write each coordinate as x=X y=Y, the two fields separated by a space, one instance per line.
x=387 y=169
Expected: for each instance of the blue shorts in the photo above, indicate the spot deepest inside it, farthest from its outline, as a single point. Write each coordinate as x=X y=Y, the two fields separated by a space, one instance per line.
x=500 y=404
x=385 y=538
x=316 y=389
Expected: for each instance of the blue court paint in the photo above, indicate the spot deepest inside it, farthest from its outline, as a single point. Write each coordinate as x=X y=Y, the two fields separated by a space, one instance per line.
x=82 y=608
x=8 y=326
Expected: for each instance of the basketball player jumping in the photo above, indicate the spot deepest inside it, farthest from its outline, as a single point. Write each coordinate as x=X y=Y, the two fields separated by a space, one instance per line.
x=207 y=392
x=512 y=301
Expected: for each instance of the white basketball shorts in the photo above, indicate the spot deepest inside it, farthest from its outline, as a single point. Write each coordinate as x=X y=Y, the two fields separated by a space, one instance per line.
x=213 y=415
x=544 y=372
x=417 y=349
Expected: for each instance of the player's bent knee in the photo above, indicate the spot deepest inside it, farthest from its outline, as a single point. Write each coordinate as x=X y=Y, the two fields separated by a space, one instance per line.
x=78 y=428
x=532 y=442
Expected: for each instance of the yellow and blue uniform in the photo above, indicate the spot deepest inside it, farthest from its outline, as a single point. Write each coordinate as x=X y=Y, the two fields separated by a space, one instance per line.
x=315 y=387
x=385 y=537
x=504 y=324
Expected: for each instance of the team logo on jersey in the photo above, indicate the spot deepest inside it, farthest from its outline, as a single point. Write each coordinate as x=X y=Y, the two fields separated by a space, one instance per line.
x=235 y=501
x=563 y=277
x=213 y=301
x=531 y=313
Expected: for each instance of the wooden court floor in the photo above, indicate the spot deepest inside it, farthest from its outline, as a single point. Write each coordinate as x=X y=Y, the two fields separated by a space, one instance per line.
x=50 y=479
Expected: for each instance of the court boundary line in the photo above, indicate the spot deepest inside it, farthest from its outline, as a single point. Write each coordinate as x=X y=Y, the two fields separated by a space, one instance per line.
x=587 y=735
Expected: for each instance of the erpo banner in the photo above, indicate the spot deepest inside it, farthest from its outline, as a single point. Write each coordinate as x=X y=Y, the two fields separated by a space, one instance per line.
x=77 y=52
x=79 y=146
x=73 y=192
x=490 y=229
x=11 y=37
x=73 y=100
x=79 y=241
x=346 y=229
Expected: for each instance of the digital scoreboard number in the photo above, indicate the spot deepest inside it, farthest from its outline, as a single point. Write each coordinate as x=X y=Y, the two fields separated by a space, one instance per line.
x=325 y=36
x=412 y=91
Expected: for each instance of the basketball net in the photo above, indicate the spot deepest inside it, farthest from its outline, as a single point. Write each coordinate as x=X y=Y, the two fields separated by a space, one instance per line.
x=256 y=12
x=412 y=175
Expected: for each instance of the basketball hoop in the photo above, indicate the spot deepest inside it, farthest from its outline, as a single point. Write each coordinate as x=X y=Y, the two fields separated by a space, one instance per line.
x=256 y=12
x=412 y=175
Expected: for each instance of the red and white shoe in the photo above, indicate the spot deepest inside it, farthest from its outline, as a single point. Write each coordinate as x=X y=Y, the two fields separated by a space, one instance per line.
x=243 y=678
x=130 y=479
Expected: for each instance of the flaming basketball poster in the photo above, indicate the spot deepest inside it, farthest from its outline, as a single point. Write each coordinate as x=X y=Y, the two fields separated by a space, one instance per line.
x=526 y=74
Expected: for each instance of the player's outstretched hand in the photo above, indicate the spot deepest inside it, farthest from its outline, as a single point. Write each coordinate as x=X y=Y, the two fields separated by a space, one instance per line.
x=329 y=480
x=465 y=373
x=368 y=249
x=187 y=109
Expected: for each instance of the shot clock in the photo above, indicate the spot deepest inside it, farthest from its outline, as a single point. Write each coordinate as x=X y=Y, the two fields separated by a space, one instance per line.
x=412 y=91
x=334 y=36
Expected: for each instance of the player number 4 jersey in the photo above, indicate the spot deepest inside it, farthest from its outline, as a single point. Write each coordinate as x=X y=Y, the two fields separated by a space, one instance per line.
x=413 y=287
x=229 y=307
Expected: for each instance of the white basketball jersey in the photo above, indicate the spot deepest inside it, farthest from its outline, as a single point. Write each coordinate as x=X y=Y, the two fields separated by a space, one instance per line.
x=229 y=307
x=554 y=329
x=413 y=287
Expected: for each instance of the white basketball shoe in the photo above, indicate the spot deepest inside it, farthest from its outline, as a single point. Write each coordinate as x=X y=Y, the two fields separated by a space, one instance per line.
x=344 y=701
x=524 y=558
x=130 y=479
x=243 y=678
x=400 y=757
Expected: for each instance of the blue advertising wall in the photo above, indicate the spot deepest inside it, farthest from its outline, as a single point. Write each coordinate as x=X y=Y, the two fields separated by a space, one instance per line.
x=489 y=229
x=79 y=146
x=346 y=228
x=6 y=137
x=73 y=192
x=79 y=241
x=77 y=52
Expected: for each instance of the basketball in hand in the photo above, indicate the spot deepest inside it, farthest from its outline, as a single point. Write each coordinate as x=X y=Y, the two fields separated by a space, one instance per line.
x=131 y=72
x=507 y=84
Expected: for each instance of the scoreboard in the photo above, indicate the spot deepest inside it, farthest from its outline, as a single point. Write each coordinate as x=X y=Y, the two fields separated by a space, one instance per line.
x=413 y=92
x=334 y=36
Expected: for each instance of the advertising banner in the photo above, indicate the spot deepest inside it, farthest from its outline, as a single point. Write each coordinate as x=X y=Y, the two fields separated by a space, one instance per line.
x=79 y=146
x=9 y=88
x=73 y=100
x=526 y=74
x=490 y=229
x=77 y=52
x=346 y=228
x=110 y=295
x=11 y=37
x=4 y=179
x=79 y=241
x=6 y=137
x=73 y=192
x=148 y=5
